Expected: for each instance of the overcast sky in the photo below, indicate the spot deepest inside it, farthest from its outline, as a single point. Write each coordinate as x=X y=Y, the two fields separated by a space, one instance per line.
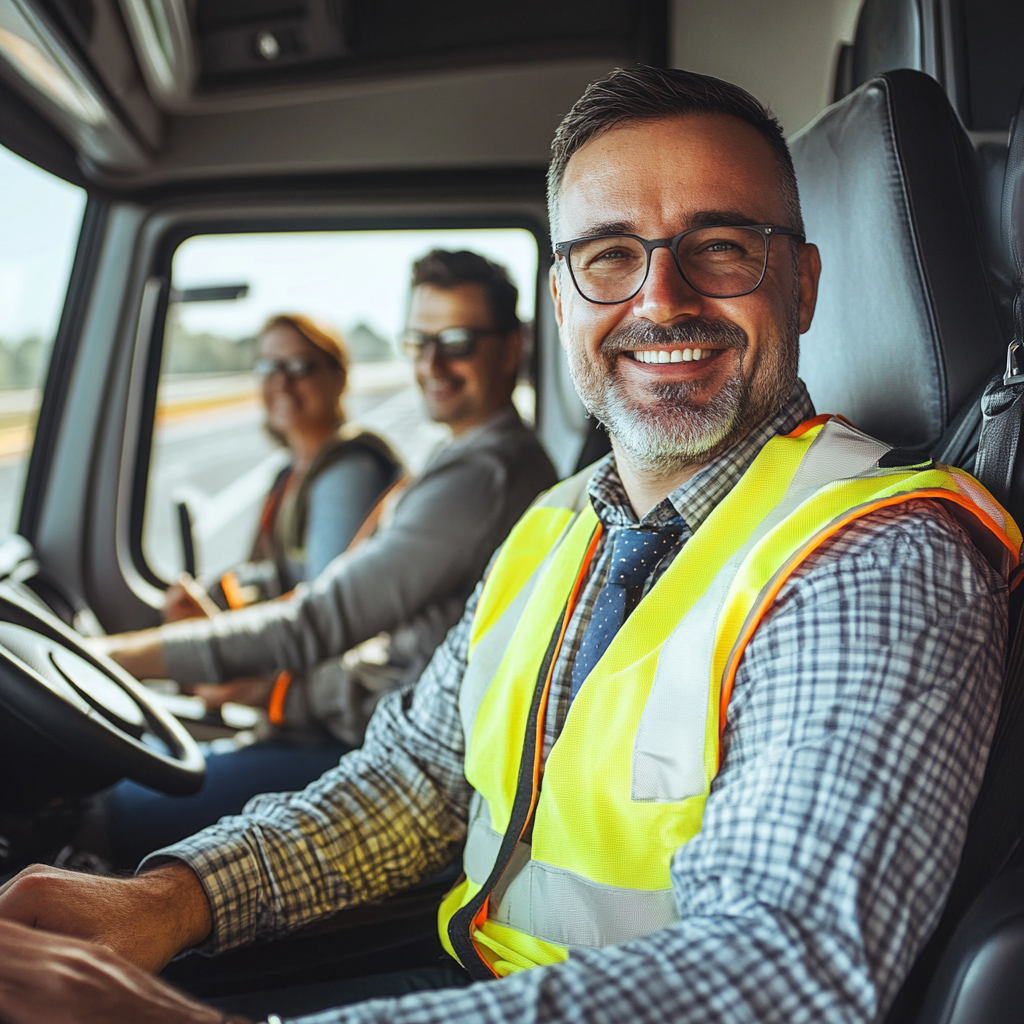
x=343 y=277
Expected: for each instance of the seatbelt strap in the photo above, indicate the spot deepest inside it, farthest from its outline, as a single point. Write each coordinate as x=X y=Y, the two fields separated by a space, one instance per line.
x=1002 y=410
x=1003 y=402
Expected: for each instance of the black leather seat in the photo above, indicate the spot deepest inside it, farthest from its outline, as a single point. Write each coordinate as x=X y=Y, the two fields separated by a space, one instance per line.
x=971 y=970
x=906 y=334
x=907 y=327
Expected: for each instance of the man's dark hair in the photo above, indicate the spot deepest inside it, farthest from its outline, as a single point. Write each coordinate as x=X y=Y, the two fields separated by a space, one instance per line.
x=643 y=93
x=443 y=269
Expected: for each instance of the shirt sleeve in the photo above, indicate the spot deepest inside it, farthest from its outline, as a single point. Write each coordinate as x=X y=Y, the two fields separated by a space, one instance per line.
x=856 y=742
x=444 y=529
x=390 y=815
x=340 y=499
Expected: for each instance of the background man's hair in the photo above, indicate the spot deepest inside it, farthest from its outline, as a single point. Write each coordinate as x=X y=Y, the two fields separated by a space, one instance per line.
x=629 y=95
x=443 y=269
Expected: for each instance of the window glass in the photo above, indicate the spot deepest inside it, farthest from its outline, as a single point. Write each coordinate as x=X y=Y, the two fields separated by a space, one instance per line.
x=210 y=451
x=40 y=220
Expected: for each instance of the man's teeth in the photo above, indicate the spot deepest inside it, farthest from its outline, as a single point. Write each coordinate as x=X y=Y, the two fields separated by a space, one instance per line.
x=675 y=355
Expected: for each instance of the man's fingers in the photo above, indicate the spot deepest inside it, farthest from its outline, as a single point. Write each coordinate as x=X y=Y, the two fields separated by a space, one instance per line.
x=61 y=980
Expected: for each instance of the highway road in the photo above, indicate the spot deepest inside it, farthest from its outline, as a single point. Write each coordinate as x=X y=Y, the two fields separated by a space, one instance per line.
x=221 y=463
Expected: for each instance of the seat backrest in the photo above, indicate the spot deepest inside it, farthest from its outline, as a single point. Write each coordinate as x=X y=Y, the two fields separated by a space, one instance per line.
x=907 y=326
x=970 y=970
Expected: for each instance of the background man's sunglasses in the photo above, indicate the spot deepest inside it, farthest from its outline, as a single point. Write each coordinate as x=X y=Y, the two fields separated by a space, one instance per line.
x=451 y=343
x=293 y=369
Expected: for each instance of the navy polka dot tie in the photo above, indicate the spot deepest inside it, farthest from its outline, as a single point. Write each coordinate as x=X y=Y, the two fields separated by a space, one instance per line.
x=635 y=553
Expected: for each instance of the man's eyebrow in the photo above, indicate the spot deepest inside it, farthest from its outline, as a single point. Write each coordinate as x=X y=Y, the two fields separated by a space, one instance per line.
x=614 y=227
x=701 y=219
x=715 y=218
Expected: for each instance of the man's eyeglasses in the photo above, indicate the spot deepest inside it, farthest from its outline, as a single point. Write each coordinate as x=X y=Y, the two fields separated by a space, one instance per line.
x=451 y=343
x=294 y=369
x=720 y=262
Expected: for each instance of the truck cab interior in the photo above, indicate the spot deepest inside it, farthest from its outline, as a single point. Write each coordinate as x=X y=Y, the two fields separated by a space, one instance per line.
x=185 y=158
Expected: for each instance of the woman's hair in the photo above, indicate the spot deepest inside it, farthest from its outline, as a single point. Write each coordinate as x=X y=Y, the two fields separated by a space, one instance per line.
x=316 y=332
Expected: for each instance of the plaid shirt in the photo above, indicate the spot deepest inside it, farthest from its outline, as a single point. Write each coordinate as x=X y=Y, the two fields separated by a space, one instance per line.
x=858 y=731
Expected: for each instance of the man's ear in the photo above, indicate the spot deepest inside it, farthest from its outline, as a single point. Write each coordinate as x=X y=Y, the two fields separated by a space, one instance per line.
x=809 y=271
x=556 y=295
x=512 y=352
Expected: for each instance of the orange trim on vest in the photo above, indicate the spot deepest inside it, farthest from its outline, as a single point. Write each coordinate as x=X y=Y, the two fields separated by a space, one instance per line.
x=817 y=421
x=757 y=613
x=275 y=707
x=232 y=591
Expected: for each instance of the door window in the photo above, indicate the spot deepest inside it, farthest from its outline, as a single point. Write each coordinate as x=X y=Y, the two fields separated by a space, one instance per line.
x=40 y=221
x=210 y=452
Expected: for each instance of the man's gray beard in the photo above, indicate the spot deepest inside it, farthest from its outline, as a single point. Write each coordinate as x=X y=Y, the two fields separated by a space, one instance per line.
x=674 y=433
x=663 y=437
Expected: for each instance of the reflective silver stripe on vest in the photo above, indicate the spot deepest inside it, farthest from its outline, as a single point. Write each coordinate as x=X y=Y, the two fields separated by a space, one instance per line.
x=557 y=905
x=668 y=752
x=488 y=652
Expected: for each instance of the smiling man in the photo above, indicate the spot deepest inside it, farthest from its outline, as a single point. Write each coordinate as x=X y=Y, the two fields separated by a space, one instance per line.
x=711 y=728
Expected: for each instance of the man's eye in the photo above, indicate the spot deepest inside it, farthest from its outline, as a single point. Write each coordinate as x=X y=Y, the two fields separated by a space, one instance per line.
x=608 y=258
x=719 y=245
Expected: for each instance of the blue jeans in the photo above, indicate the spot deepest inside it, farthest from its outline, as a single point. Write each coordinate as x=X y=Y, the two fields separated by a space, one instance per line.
x=141 y=820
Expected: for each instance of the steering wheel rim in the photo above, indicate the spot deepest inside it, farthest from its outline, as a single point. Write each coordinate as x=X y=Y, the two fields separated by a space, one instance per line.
x=88 y=704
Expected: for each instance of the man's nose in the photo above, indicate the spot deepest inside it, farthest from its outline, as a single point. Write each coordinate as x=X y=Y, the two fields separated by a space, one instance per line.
x=431 y=357
x=666 y=295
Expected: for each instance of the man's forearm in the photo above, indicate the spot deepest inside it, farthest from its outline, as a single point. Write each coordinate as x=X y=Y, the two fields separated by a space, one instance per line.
x=139 y=653
x=148 y=919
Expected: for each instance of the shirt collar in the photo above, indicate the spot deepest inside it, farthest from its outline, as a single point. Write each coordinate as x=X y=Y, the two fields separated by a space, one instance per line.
x=697 y=498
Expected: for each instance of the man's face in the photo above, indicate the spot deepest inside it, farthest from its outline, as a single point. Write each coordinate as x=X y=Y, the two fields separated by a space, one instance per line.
x=462 y=392
x=655 y=179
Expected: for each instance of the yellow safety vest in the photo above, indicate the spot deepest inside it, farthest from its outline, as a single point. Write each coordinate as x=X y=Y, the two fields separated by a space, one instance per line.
x=626 y=781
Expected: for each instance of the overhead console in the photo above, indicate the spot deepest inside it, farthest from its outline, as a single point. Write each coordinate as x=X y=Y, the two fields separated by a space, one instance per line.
x=156 y=91
x=239 y=43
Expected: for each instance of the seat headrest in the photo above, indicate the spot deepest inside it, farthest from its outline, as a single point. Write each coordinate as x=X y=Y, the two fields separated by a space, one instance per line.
x=906 y=327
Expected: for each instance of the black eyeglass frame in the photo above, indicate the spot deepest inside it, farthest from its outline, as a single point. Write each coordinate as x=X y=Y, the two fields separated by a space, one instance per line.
x=293 y=368
x=767 y=232
x=466 y=346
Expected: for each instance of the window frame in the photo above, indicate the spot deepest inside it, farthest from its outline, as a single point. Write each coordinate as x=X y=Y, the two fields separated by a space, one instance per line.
x=56 y=381
x=151 y=336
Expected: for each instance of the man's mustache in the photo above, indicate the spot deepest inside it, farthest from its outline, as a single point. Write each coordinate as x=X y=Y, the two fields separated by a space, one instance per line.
x=697 y=331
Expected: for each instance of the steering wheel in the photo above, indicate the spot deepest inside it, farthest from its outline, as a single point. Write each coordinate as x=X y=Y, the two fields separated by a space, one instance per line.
x=87 y=704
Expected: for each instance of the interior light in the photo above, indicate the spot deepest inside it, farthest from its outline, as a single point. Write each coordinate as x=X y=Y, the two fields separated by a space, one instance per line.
x=39 y=63
x=162 y=34
x=24 y=51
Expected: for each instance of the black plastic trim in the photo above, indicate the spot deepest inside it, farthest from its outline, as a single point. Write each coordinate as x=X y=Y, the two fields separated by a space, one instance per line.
x=62 y=360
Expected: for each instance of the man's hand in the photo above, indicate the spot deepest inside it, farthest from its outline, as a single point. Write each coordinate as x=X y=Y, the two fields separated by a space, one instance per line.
x=148 y=919
x=186 y=599
x=51 y=978
x=139 y=653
